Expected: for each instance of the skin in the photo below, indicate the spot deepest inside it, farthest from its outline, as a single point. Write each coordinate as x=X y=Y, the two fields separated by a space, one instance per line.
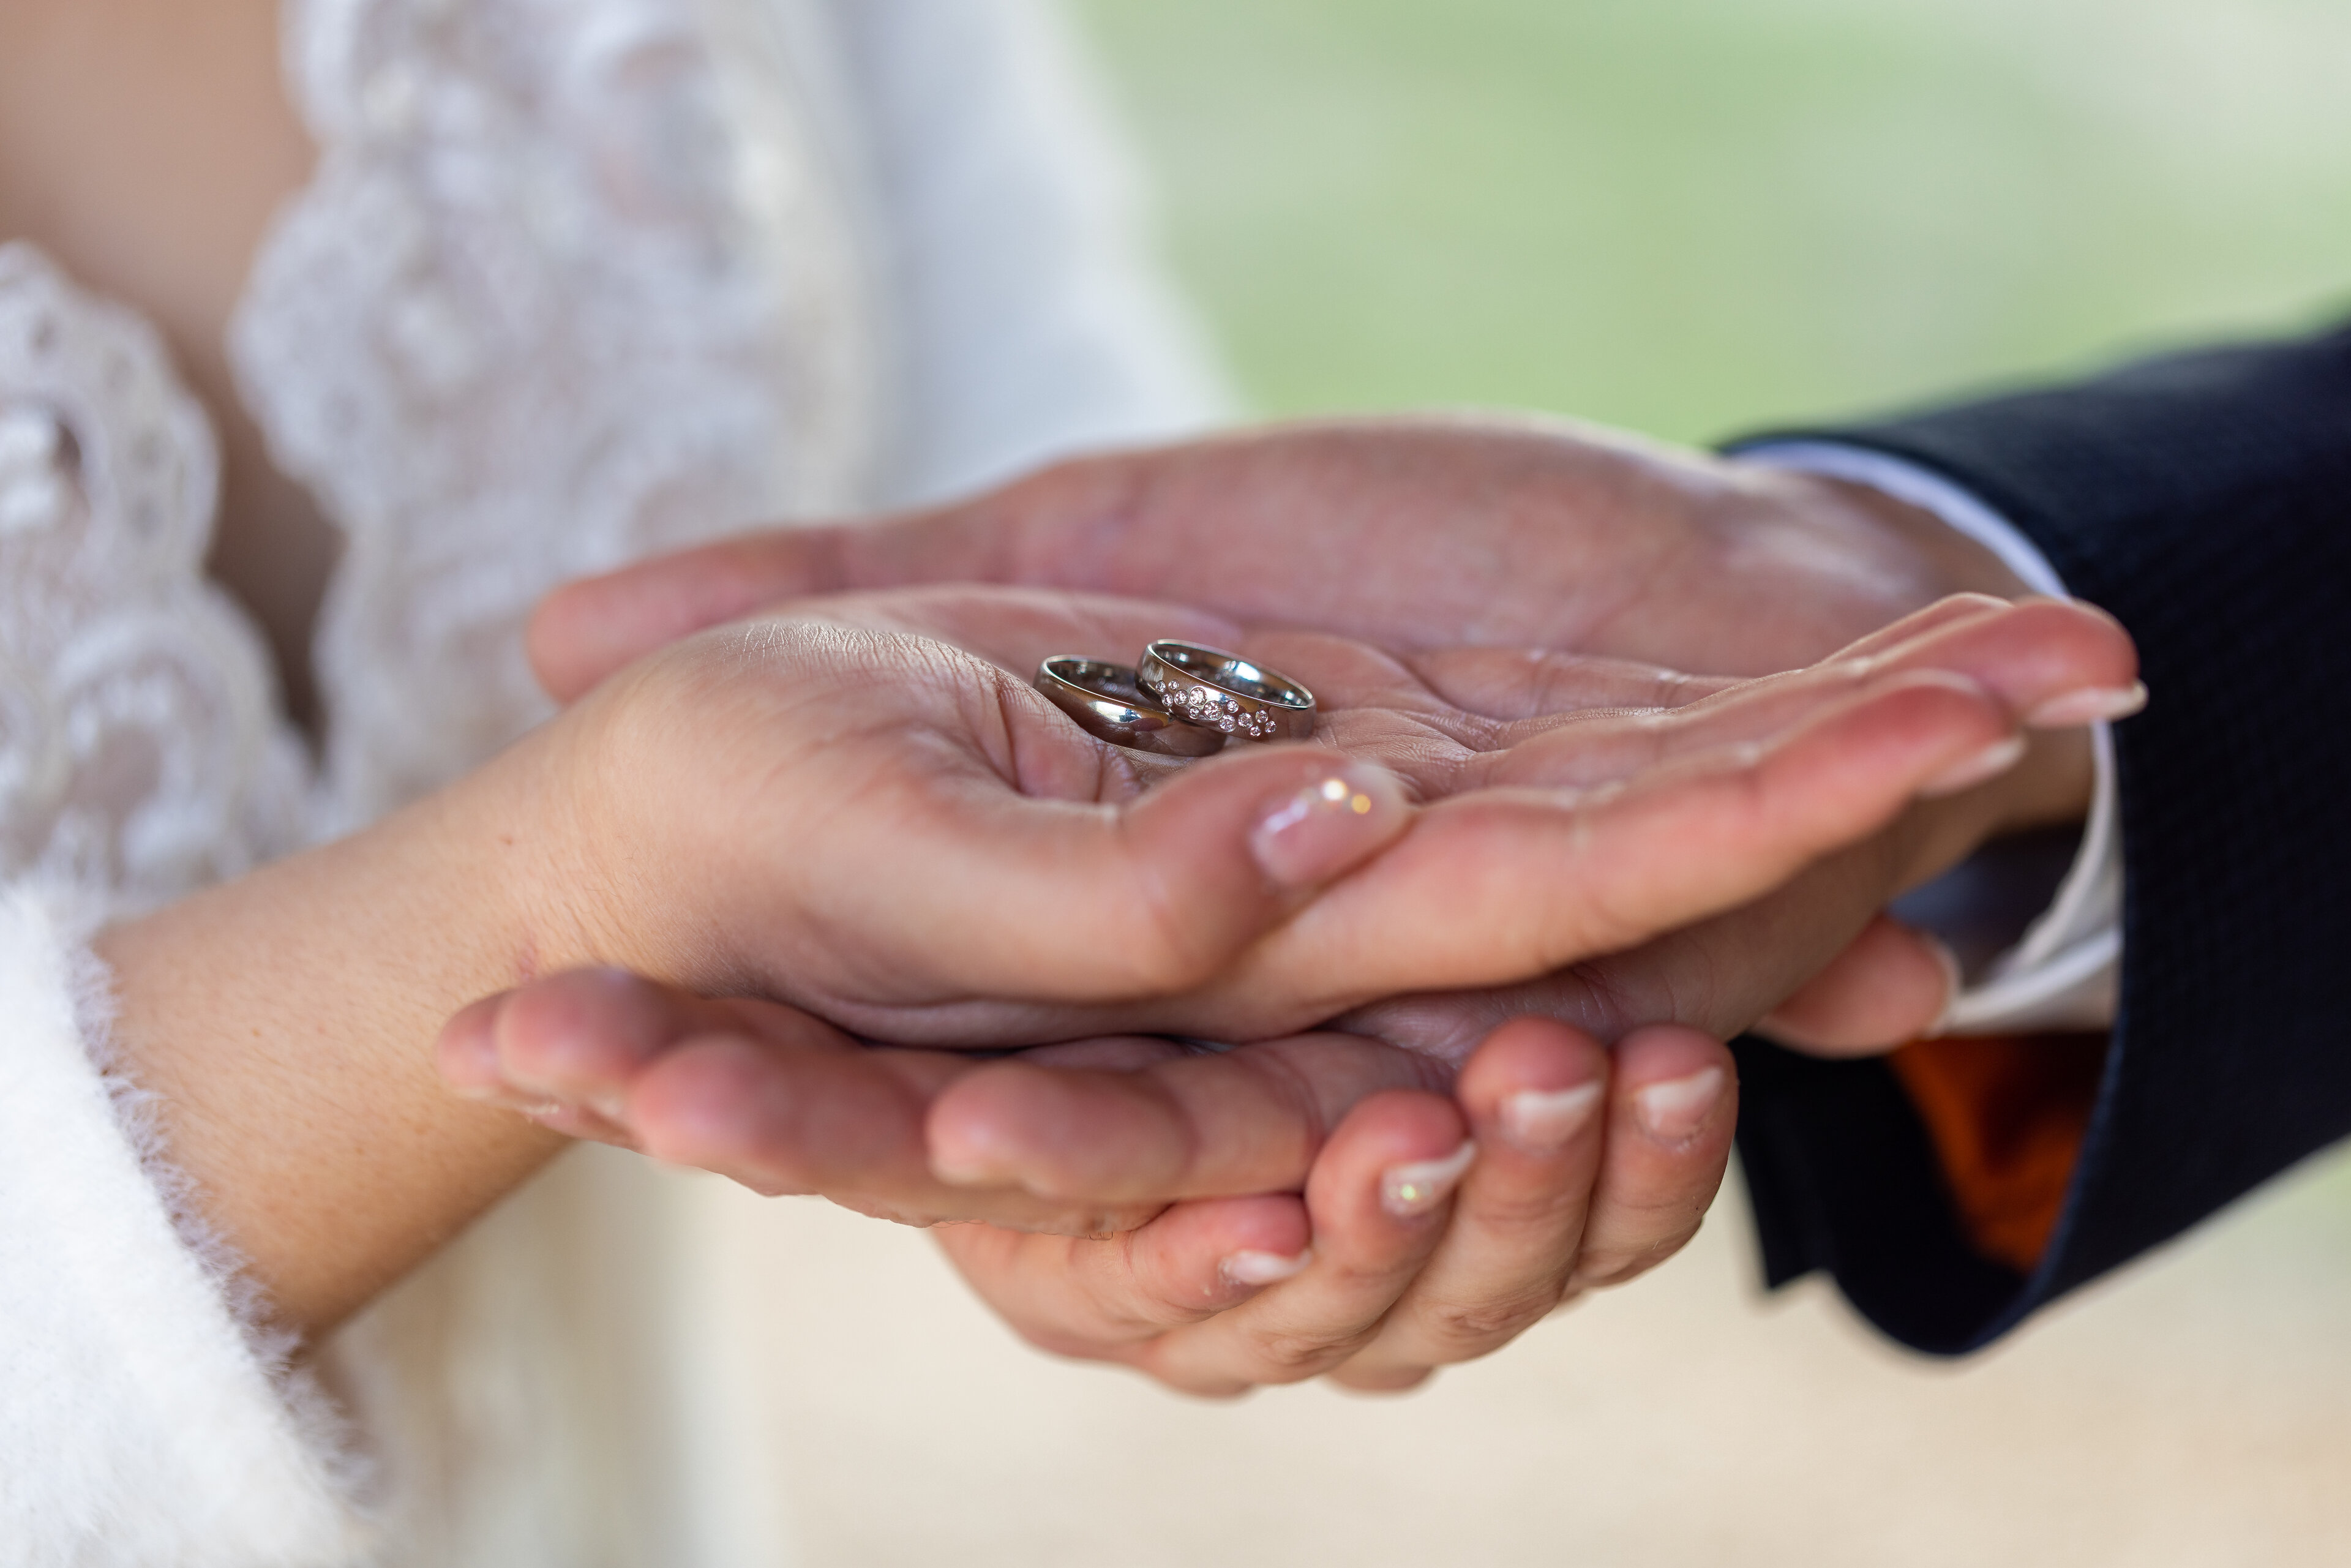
x=912 y=878
x=1539 y=1219
x=1485 y=531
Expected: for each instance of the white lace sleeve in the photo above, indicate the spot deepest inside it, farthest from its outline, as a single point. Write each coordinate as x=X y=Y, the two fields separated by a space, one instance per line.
x=142 y=1421
x=1036 y=318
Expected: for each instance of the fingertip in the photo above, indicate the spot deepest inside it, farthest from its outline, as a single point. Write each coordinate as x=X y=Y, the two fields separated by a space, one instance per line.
x=1405 y=1149
x=1310 y=833
x=1211 y=1254
x=581 y=1035
x=1535 y=1082
x=1892 y=984
x=1680 y=1086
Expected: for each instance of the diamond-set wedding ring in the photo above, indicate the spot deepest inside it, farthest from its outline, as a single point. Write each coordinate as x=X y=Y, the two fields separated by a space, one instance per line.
x=1182 y=700
x=1226 y=692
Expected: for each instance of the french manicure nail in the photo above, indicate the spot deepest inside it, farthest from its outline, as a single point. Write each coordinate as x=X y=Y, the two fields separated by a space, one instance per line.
x=1542 y=1122
x=1967 y=773
x=1412 y=1190
x=1248 y=1268
x=1673 y=1110
x=2089 y=706
x=1322 y=830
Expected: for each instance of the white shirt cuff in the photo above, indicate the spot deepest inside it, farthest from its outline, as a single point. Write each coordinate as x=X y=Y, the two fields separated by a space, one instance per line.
x=2062 y=972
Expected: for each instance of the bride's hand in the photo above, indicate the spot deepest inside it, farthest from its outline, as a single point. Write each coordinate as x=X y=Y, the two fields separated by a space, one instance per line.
x=1591 y=1165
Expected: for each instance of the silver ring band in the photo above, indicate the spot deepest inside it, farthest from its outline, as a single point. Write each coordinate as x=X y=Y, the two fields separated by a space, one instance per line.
x=1107 y=704
x=1224 y=691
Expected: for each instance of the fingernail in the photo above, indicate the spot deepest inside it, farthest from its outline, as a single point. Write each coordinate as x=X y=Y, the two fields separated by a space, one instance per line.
x=1673 y=1110
x=1310 y=837
x=2089 y=706
x=1264 y=1267
x=1410 y=1191
x=1990 y=763
x=1952 y=978
x=1542 y=1122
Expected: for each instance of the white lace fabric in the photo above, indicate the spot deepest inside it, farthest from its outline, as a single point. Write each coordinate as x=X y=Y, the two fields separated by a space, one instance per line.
x=140 y=748
x=575 y=282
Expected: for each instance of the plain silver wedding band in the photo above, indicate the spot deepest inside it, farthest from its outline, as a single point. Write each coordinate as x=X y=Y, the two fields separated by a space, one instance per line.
x=1226 y=692
x=1107 y=702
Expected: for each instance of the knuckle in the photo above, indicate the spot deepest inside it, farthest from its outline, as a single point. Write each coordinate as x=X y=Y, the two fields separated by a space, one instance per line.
x=1522 y=1217
x=1295 y=1357
x=1462 y=1331
x=1161 y=953
x=1615 y=1265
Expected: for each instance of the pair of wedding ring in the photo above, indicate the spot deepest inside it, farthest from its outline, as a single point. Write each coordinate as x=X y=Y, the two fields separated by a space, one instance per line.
x=1181 y=700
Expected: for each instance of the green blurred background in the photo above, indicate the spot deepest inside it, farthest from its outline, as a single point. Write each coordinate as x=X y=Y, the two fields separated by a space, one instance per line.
x=1693 y=216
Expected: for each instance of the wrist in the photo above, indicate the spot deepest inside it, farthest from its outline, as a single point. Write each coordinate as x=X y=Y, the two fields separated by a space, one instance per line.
x=613 y=866
x=284 y=1024
x=1934 y=558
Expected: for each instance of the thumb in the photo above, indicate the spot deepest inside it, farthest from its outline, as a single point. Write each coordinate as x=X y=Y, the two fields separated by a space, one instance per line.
x=1029 y=531
x=1044 y=901
x=584 y=631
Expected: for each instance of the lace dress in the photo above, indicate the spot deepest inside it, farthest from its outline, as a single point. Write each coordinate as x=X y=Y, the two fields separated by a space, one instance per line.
x=575 y=282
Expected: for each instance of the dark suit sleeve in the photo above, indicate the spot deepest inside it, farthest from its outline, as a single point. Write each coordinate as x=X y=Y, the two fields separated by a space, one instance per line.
x=2204 y=500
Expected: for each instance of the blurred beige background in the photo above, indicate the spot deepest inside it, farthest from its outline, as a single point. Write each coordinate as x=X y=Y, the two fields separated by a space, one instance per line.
x=1686 y=216
x=2195 y=1411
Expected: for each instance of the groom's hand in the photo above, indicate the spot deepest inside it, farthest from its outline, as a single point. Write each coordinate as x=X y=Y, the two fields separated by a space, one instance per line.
x=1410 y=533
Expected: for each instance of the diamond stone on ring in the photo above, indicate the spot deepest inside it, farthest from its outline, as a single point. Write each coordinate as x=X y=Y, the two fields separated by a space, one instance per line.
x=1225 y=692
x=1107 y=704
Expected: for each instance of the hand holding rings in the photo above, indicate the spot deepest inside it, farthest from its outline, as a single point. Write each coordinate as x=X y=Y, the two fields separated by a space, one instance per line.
x=1182 y=699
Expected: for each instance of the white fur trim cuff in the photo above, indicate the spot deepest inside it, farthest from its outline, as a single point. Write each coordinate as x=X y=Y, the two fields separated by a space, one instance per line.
x=140 y=1423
